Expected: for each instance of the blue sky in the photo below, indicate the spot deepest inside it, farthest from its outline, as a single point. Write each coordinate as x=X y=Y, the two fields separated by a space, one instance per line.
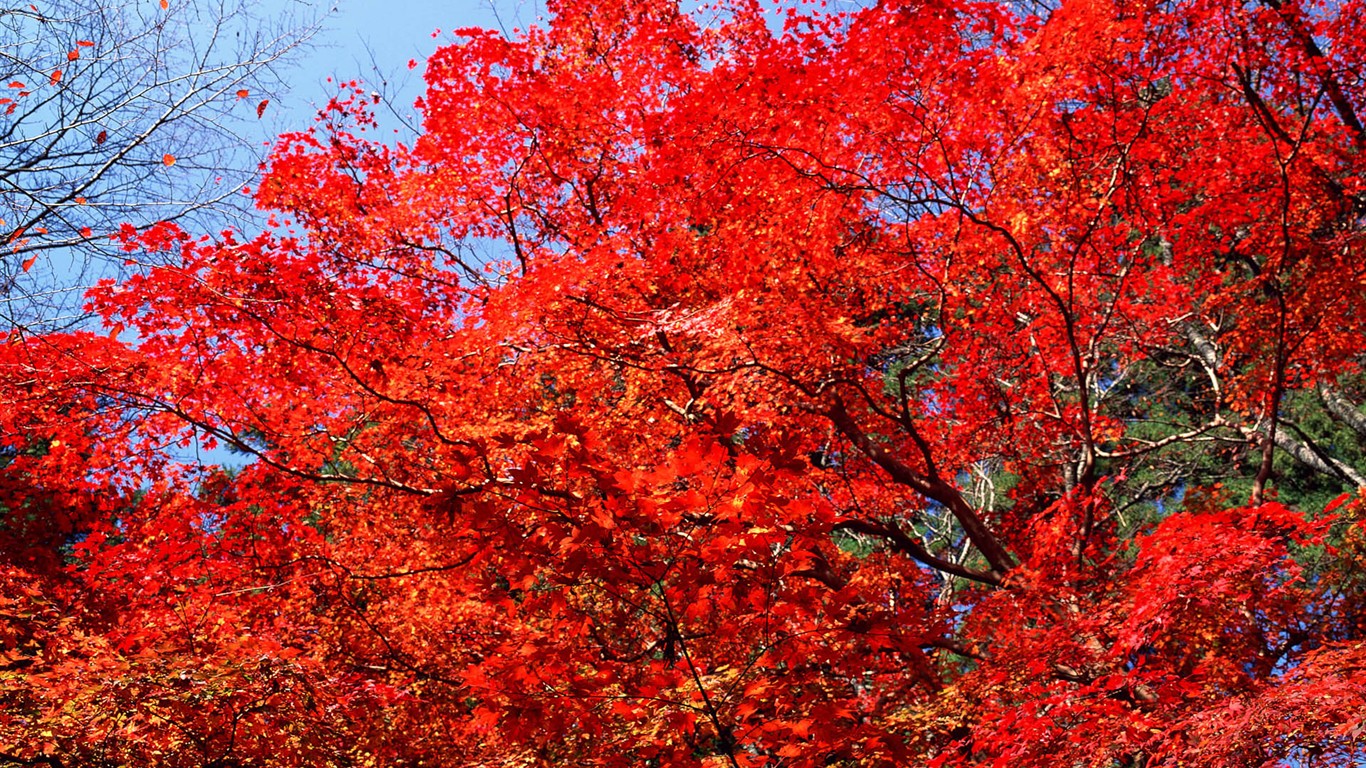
x=373 y=40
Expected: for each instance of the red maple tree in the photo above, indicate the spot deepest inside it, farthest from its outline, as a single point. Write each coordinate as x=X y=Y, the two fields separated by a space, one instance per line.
x=934 y=384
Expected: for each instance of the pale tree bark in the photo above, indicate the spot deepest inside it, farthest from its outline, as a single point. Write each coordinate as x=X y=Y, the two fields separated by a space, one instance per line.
x=1342 y=409
x=1284 y=438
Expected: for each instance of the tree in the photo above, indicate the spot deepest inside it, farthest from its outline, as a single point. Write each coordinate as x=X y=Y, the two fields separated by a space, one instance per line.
x=120 y=113
x=928 y=384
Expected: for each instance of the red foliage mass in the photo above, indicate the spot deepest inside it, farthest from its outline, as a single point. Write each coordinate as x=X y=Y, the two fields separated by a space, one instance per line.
x=908 y=386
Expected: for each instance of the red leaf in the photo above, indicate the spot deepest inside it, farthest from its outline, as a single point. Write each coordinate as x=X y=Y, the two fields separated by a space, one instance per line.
x=1339 y=501
x=261 y=108
x=28 y=263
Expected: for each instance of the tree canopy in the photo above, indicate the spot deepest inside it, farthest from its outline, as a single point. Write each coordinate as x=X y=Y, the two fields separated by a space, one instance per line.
x=934 y=383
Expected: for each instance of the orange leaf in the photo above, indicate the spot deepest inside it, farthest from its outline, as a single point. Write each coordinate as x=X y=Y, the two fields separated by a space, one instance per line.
x=85 y=43
x=28 y=263
x=73 y=54
x=165 y=5
x=242 y=93
x=85 y=232
x=168 y=160
x=56 y=76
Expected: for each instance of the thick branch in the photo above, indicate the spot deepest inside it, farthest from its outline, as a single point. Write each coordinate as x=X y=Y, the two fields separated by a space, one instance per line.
x=1305 y=454
x=1342 y=409
x=932 y=488
x=1318 y=62
x=903 y=543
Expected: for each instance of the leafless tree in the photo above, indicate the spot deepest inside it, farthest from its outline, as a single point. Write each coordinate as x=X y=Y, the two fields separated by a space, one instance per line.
x=114 y=111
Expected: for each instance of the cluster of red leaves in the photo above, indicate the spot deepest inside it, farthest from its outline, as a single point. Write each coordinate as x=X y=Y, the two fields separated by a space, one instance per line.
x=633 y=415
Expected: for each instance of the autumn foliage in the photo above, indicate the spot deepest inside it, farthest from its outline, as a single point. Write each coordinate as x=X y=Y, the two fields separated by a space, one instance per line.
x=939 y=383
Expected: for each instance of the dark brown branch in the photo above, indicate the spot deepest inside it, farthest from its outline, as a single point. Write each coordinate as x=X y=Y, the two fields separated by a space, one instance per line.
x=932 y=488
x=909 y=546
x=1314 y=54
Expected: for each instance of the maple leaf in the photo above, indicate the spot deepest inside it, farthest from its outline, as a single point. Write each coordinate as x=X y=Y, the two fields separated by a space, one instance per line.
x=917 y=384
